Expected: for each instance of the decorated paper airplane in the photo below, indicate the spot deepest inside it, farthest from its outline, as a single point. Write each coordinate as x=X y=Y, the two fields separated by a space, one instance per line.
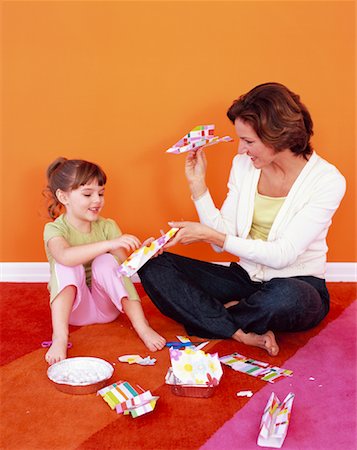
x=142 y=255
x=255 y=368
x=275 y=421
x=200 y=136
x=122 y=397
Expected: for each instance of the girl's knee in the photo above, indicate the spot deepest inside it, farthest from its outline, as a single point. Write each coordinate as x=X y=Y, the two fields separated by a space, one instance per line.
x=67 y=292
x=70 y=274
x=102 y=263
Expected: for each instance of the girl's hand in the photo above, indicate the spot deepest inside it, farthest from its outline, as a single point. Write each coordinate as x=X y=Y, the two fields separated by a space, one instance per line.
x=195 y=170
x=127 y=242
x=190 y=232
x=148 y=242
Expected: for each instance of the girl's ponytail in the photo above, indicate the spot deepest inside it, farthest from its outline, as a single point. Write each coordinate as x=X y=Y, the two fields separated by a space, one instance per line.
x=54 y=206
x=54 y=165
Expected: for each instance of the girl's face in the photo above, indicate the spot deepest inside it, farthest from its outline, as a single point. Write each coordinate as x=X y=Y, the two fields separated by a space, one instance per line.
x=260 y=154
x=83 y=205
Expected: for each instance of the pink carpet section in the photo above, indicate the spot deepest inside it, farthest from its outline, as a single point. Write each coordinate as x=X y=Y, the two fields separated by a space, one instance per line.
x=324 y=410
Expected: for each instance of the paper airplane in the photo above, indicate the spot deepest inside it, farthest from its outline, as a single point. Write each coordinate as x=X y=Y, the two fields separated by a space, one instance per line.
x=275 y=421
x=198 y=137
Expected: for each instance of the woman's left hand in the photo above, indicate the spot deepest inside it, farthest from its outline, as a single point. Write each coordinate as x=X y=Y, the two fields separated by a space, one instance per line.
x=190 y=232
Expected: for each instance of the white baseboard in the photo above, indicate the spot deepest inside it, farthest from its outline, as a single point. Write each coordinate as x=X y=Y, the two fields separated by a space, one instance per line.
x=341 y=272
x=38 y=272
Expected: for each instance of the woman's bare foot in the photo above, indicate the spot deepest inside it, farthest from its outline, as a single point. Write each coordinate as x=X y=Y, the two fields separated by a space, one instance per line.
x=151 y=338
x=266 y=341
x=58 y=350
x=232 y=303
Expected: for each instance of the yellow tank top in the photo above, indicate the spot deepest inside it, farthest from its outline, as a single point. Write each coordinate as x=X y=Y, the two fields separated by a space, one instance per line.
x=265 y=210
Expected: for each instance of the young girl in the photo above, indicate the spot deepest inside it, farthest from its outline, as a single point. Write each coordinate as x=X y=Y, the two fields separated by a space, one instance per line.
x=84 y=251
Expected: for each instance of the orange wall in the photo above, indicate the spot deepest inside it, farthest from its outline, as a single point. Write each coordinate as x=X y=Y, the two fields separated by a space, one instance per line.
x=119 y=82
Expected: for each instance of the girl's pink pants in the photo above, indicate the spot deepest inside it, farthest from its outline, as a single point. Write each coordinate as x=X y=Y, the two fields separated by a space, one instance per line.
x=101 y=303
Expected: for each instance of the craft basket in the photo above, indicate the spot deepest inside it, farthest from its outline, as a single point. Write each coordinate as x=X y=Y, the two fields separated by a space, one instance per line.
x=185 y=390
x=192 y=391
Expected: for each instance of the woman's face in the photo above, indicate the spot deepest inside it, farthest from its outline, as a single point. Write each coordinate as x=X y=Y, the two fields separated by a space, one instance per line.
x=260 y=154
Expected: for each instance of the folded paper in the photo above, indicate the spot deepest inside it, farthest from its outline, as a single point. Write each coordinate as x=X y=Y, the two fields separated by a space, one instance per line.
x=200 y=136
x=275 y=421
x=138 y=405
x=122 y=397
x=142 y=255
x=192 y=367
x=255 y=368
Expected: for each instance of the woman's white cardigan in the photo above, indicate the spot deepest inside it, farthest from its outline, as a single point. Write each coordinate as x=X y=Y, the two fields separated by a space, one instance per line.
x=296 y=244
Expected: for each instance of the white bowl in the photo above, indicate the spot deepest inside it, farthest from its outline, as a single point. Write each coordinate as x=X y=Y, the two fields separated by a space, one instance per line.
x=80 y=375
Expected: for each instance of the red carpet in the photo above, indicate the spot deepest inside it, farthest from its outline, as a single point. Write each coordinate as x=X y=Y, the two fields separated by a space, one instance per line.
x=35 y=415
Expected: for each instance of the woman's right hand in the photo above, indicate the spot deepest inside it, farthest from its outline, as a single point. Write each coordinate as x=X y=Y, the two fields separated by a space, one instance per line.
x=195 y=170
x=127 y=242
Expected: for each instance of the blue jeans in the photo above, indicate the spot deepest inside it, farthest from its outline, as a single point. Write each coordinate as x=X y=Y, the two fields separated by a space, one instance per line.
x=194 y=292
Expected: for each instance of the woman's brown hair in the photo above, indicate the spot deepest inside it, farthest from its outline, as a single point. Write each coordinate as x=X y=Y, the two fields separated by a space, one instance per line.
x=277 y=116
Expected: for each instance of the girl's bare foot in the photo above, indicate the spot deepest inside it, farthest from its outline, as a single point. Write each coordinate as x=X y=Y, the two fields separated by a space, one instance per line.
x=151 y=338
x=135 y=313
x=266 y=341
x=58 y=351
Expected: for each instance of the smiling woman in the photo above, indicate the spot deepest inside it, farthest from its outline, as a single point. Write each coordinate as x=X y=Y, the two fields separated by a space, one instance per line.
x=276 y=216
x=83 y=250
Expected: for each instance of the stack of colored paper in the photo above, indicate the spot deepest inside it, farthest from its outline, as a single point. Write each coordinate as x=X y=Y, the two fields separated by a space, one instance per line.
x=122 y=397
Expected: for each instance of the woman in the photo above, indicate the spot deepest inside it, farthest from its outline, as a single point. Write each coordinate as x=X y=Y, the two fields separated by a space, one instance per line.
x=281 y=198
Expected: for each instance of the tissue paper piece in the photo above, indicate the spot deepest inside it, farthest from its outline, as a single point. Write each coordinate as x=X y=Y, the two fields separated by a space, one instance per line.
x=275 y=421
x=142 y=255
x=187 y=340
x=244 y=394
x=137 y=359
x=184 y=341
x=198 y=137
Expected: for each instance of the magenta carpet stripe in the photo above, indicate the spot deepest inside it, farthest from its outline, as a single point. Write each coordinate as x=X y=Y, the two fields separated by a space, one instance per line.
x=324 y=410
